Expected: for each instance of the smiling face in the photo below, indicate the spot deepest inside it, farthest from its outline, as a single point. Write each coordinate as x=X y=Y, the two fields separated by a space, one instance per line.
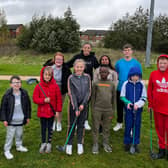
x=86 y=49
x=16 y=84
x=79 y=68
x=58 y=60
x=105 y=60
x=47 y=75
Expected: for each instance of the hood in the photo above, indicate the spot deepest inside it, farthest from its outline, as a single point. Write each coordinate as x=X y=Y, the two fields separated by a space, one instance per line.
x=135 y=71
x=163 y=55
x=42 y=80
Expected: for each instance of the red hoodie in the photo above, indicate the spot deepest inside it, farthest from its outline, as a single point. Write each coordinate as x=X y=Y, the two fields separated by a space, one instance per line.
x=158 y=90
x=51 y=90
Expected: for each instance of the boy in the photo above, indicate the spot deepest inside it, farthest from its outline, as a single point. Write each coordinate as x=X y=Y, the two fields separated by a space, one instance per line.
x=102 y=101
x=133 y=94
x=123 y=67
x=157 y=98
x=15 y=112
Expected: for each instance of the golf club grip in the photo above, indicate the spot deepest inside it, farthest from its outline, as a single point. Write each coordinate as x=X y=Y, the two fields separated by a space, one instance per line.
x=52 y=108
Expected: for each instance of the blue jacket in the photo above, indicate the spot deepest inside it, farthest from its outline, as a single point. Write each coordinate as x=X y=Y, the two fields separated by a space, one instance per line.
x=131 y=92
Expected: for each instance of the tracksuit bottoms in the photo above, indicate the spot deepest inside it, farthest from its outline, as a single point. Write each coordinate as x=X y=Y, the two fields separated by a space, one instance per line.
x=12 y=131
x=79 y=123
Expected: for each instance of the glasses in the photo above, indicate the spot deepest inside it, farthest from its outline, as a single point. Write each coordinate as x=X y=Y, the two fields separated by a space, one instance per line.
x=16 y=83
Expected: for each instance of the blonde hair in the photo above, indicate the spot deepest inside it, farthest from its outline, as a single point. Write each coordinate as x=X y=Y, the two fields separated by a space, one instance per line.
x=79 y=61
x=48 y=69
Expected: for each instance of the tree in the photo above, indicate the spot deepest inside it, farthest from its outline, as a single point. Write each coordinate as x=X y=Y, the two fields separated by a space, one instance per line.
x=4 y=33
x=49 y=34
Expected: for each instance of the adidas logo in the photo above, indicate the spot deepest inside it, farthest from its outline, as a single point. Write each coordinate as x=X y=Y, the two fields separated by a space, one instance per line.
x=163 y=83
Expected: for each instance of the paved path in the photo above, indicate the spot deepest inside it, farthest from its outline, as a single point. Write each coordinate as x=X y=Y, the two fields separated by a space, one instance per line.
x=7 y=77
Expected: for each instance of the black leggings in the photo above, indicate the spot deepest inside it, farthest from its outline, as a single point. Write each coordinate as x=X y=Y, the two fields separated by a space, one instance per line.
x=46 y=123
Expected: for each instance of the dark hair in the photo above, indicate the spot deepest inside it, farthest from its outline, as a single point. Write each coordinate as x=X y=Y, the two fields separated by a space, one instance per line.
x=87 y=43
x=127 y=46
x=14 y=77
x=109 y=65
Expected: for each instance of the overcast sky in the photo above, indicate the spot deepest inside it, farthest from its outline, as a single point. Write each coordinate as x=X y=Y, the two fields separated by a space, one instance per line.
x=89 y=14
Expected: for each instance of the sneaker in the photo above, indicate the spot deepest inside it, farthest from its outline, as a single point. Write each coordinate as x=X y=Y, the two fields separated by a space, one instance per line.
x=48 y=148
x=87 y=126
x=95 y=148
x=69 y=149
x=54 y=125
x=80 y=149
x=117 y=127
x=137 y=150
x=42 y=147
x=8 y=155
x=127 y=147
x=22 y=149
x=59 y=127
x=107 y=148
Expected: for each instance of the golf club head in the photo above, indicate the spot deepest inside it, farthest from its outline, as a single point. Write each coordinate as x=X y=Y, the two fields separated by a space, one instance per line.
x=32 y=81
x=153 y=155
x=132 y=150
x=60 y=148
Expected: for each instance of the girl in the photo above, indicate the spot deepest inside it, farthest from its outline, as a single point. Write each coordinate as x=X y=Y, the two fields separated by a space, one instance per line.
x=79 y=90
x=61 y=73
x=48 y=97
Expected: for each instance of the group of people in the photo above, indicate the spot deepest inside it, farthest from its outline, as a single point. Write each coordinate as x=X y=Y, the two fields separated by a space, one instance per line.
x=104 y=89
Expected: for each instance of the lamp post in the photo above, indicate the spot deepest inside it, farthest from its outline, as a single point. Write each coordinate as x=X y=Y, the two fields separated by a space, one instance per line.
x=149 y=34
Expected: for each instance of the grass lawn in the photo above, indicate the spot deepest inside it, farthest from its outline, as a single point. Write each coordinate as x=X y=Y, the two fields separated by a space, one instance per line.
x=30 y=64
x=117 y=159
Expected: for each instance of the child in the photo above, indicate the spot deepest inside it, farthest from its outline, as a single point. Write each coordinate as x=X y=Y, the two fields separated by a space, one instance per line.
x=90 y=63
x=123 y=67
x=45 y=112
x=61 y=72
x=157 y=98
x=79 y=90
x=15 y=112
x=103 y=100
x=133 y=94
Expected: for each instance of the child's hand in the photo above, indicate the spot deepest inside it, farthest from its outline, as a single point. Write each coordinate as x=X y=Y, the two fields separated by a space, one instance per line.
x=47 y=100
x=57 y=114
x=81 y=107
x=129 y=106
x=77 y=113
x=5 y=123
x=135 y=107
x=28 y=121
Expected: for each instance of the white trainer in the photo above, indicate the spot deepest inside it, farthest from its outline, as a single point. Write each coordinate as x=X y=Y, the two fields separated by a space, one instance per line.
x=59 y=127
x=22 y=149
x=69 y=149
x=80 y=149
x=117 y=127
x=54 y=125
x=86 y=125
x=8 y=155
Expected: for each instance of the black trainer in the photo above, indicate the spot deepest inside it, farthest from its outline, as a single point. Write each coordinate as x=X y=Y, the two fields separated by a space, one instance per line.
x=161 y=154
x=137 y=149
x=127 y=147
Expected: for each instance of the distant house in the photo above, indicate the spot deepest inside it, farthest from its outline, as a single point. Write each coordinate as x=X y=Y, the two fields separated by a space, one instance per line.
x=14 y=29
x=93 y=36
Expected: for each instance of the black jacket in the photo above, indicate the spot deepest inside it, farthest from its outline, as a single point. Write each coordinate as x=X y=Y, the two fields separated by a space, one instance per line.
x=8 y=102
x=66 y=72
x=90 y=60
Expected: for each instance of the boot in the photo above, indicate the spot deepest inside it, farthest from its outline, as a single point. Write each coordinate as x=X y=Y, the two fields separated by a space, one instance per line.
x=161 y=154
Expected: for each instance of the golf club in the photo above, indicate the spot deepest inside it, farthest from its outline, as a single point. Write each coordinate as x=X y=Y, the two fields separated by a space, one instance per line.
x=152 y=154
x=132 y=149
x=62 y=148
x=34 y=80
